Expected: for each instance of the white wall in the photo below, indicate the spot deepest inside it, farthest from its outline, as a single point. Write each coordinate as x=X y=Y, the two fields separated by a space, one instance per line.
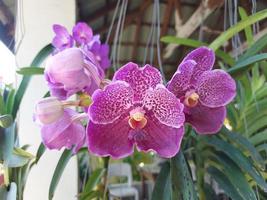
x=38 y=17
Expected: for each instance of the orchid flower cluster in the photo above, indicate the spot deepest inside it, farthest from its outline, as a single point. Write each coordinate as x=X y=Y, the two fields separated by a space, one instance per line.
x=135 y=108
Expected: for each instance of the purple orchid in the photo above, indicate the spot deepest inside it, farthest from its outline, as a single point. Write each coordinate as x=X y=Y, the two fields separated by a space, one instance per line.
x=66 y=132
x=60 y=126
x=101 y=52
x=135 y=109
x=68 y=72
x=204 y=92
x=82 y=33
x=63 y=39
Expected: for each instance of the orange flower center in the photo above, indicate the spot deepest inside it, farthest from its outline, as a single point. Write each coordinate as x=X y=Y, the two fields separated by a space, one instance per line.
x=191 y=99
x=137 y=119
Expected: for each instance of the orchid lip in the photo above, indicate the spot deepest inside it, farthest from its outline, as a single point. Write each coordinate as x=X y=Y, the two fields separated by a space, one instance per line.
x=191 y=99
x=137 y=118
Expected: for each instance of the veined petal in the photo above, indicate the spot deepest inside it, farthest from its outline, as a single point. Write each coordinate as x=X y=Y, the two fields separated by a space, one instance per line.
x=112 y=102
x=204 y=57
x=110 y=139
x=165 y=106
x=180 y=81
x=140 y=79
x=216 y=88
x=206 y=120
x=162 y=139
x=64 y=133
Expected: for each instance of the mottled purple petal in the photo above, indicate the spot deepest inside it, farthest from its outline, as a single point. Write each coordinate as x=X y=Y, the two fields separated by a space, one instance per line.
x=180 y=81
x=165 y=106
x=64 y=133
x=162 y=139
x=204 y=57
x=63 y=39
x=206 y=120
x=112 y=102
x=216 y=88
x=82 y=33
x=101 y=52
x=110 y=139
x=140 y=79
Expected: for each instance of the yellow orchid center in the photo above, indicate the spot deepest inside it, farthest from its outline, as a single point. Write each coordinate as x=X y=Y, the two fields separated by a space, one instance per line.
x=137 y=119
x=191 y=99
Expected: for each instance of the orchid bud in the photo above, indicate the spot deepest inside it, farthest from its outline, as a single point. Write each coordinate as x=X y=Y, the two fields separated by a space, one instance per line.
x=49 y=110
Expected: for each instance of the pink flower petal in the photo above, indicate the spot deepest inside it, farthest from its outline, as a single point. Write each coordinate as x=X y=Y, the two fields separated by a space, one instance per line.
x=206 y=120
x=64 y=133
x=110 y=139
x=204 y=57
x=82 y=33
x=112 y=102
x=165 y=106
x=216 y=88
x=140 y=79
x=162 y=139
x=180 y=81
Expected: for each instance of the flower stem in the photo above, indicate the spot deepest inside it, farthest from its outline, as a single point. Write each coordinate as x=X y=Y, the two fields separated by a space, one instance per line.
x=105 y=180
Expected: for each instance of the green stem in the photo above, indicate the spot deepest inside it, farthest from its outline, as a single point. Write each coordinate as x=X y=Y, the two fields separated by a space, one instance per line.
x=105 y=180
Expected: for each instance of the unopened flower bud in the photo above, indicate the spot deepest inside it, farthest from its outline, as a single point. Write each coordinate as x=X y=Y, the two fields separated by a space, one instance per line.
x=48 y=110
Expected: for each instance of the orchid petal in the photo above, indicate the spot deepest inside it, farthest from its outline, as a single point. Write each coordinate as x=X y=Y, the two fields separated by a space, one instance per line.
x=112 y=102
x=140 y=79
x=216 y=88
x=206 y=120
x=165 y=106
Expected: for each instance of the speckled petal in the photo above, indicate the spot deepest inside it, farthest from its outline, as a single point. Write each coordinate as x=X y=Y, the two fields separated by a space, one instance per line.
x=206 y=120
x=64 y=133
x=204 y=57
x=112 y=102
x=140 y=79
x=216 y=88
x=165 y=106
x=110 y=139
x=180 y=81
x=162 y=139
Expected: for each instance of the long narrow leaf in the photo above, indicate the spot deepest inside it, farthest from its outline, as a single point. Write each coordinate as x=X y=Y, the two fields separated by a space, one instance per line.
x=28 y=71
x=63 y=161
x=162 y=188
x=219 y=41
x=26 y=79
x=182 y=183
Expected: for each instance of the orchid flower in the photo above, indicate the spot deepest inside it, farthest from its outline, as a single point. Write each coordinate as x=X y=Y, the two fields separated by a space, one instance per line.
x=67 y=73
x=203 y=91
x=60 y=126
x=63 y=39
x=135 y=109
x=82 y=33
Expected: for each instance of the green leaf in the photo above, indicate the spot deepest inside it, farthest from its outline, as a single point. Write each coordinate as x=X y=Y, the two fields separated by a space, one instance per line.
x=40 y=152
x=245 y=144
x=26 y=79
x=242 y=65
x=236 y=176
x=7 y=139
x=182 y=183
x=6 y=121
x=248 y=30
x=18 y=161
x=224 y=183
x=162 y=188
x=28 y=71
x=255 y=48
x=90 y=195
x=195 y=43
x=63 y=161
x=238 y=157
x=219 y=41
x=10 y=101
x=22 y=152
x=94 y=180
x=2 y=106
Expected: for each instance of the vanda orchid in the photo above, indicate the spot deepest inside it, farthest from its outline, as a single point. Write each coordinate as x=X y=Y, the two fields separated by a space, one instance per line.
x=135 y=109
x=203 y=91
